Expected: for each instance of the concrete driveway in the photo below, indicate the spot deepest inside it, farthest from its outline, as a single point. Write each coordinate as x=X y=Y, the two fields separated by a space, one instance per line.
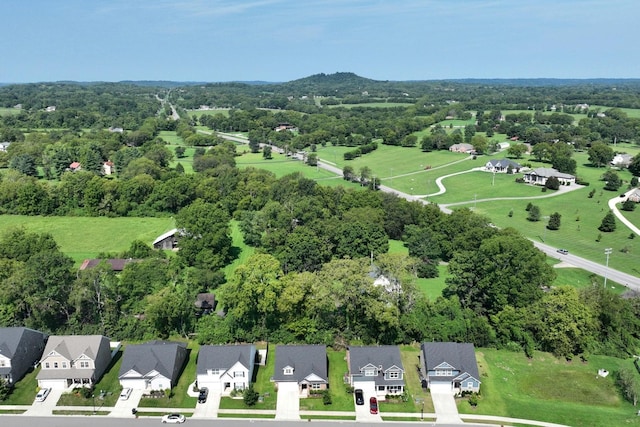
x=123 y=408
x=45 y=409
x=288 y=405
x=208 y=409
x=444 y=404
x=363 y=413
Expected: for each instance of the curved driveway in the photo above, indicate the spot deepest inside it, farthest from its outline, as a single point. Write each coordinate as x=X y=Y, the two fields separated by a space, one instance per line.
x=618 y=214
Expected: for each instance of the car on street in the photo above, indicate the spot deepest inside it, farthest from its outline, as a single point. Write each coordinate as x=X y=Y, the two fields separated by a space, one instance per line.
x=359 y=397
x=173 y=419
x=563 y=251
x=125 y=393
x=42 y=394
x=373 y=405
x=202 y=396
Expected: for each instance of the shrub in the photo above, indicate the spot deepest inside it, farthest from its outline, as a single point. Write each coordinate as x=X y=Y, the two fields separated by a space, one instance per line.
x=592 y=193
x=552 y=183
x=473 y=400
x=326 y=397
x=608 y=223
x=250 y=396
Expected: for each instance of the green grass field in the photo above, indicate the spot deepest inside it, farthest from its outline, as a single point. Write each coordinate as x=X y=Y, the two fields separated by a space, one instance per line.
x=549 y=389
x=85 y=237
x=4 y=111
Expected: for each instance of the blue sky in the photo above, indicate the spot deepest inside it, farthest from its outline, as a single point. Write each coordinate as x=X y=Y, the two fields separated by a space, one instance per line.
x=282 y=40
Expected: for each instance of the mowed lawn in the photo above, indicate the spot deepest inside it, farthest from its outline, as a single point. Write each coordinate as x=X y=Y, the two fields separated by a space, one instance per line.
x=86 y=237
x=549 y=389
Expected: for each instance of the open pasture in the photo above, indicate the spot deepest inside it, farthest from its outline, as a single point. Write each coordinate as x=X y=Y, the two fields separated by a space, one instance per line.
x=86 y=237
x=549 y=389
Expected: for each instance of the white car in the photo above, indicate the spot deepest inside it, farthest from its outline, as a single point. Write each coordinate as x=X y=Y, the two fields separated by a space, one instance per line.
x=173 y=419
x=126 y=392
x=42 y=394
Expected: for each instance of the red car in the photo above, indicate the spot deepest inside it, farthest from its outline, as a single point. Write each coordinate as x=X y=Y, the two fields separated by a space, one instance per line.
x=373 y=405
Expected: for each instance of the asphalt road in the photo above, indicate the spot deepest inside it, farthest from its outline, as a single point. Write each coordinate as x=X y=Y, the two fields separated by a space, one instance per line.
x=83 y=421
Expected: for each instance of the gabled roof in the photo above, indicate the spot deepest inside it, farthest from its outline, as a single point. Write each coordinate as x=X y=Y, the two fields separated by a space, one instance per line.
x=72 y=347
x=13 y=338
x=224 y=357
x=304 y=359
x=117 y=264
x=164 y=357
x=168 y=234
x=383 y=355
x=461 y=356
x=549 y=172
x=504 y=163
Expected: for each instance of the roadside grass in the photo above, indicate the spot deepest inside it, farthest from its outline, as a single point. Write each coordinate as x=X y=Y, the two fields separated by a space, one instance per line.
x=86 y=237
x=108 y=387
x=549 y=389
x=579 y=278
x=24 y=392
x=263 y=385
x=247 y=415
x=77 y=413
x=341 y=400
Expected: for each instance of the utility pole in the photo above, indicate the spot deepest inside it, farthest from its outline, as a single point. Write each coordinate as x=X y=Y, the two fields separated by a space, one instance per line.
x=607 y=252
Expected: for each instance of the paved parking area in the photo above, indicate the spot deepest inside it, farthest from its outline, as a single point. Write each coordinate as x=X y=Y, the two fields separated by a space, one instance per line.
x=209 y=409
x=123 y=408
x=45 y=409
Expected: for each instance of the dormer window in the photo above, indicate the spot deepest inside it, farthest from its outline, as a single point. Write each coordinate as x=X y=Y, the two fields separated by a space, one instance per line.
x=288 y=370
x=370 y=372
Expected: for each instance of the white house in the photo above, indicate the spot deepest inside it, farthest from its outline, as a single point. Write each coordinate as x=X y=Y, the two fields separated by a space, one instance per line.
x=223 y=368
x=155 y=365
x=539 y=176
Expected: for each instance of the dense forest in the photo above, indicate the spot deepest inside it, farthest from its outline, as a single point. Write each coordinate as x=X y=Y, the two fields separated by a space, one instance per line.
x=321 y=272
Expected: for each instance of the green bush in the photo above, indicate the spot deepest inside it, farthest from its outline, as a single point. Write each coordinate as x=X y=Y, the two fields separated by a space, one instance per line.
x=250 y=396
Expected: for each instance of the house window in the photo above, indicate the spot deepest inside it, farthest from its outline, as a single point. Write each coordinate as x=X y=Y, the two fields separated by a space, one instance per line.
x=55 y=364
x=84 y=364
x=394 y=389
x=381 y=388
x=1 y=362
x=46 y=365
x=315 y=386
x=370 y=372
x=238 y=386
x=64 y=365
x=394 y=375
x=238 y=374
x=444 y=372
x=288 y=371
x=214 y=371
x=470 y=384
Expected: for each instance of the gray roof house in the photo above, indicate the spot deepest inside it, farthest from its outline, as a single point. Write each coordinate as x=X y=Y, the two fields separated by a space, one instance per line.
x=539 y=176
x=462 y=148
x=223 y=368
x=155 y=365
x=168 y=240
x=449 y=366
x=377 y=370
x=20 y=349
x=621 y=160
x=502 y=166
x=74 y=360
x=304 y=365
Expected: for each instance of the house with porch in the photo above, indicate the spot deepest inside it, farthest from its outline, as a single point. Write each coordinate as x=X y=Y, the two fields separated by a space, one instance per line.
x=74 y=361
x=155 y=365
x=449 y=366
x=20 y=349
x=224 y=368
x=502 y=166
x=539 y=176
x=304 y=365
x=377 y=370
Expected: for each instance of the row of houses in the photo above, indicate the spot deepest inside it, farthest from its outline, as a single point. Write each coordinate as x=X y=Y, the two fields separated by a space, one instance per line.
x=68 y=361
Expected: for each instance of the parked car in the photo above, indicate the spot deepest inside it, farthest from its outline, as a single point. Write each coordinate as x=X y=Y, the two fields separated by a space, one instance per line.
x=173 y=419
x=42 y=394
x=563 y=251
x=373 y=405
x=125 y=393
x=202 y=396
x=359 y=397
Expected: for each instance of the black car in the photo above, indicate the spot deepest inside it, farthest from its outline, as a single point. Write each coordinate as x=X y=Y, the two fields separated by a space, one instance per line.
x=359 y=397
x=202 y=397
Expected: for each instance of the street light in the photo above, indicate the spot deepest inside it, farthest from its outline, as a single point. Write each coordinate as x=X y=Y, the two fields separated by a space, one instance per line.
x=607 y=252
